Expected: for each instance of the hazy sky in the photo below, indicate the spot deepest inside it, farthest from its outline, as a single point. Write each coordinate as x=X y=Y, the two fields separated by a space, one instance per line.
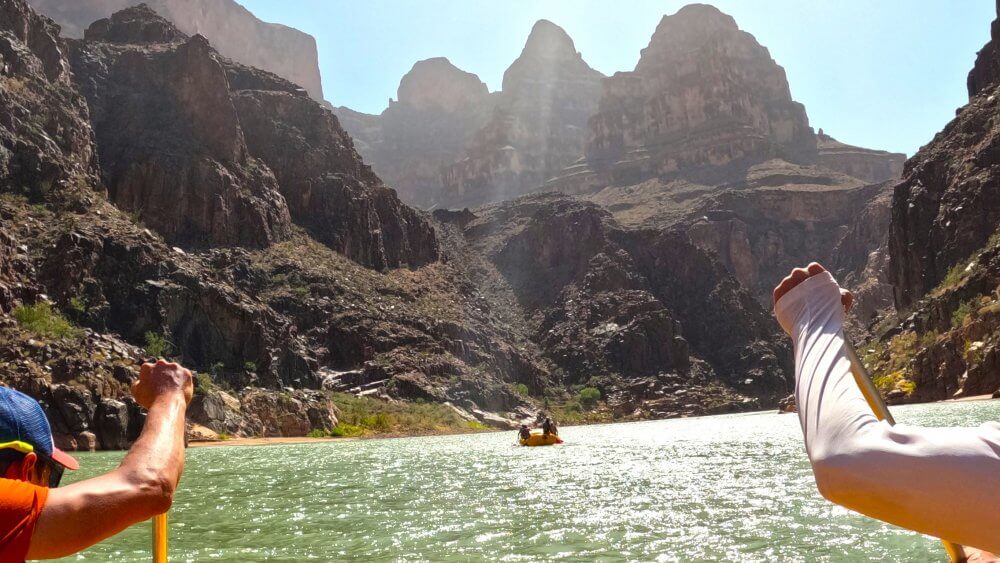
x=878 y=73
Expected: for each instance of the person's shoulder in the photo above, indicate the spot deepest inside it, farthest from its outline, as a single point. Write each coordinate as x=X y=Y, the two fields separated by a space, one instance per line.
x=20 y=494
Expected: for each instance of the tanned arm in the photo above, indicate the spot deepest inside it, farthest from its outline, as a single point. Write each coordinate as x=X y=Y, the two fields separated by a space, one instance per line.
x=84 y=513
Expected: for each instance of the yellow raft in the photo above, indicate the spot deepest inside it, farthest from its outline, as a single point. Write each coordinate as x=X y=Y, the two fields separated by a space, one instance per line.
x=538 y=438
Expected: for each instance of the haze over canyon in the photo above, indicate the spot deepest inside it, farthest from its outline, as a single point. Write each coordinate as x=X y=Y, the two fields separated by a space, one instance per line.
x=171 y=178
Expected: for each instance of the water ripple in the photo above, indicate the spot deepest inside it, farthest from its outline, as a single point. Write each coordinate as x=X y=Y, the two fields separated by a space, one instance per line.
x=734 y=487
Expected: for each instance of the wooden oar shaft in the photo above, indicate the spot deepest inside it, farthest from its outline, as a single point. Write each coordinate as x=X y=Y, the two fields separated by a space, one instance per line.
x=160 y=538
x=881 y=410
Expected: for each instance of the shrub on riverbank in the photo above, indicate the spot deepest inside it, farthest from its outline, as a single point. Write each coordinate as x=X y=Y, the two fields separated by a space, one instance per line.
x=364 y=416
x=44 y=321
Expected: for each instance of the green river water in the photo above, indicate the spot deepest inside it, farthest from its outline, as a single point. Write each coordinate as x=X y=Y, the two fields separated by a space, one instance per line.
x=733 y=487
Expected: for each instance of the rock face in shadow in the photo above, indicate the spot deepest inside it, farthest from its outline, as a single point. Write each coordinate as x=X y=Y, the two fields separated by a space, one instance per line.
x=230 y=27
x=171 y=147
x=329 y=190
x=986 y=71
x=211 y=153
x=628 y=303
x=948 y=203
x=115 y=282
x=704 y=93
x=538 y=127
x=439 y=108
x=45 y=141
x=944 y=256
x=861 y=259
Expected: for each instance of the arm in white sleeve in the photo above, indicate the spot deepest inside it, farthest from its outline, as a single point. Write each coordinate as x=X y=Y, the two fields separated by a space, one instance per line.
x=944 y=482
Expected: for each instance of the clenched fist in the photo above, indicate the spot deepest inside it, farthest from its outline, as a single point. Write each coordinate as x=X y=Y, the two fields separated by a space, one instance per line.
x=799 y=275
x=162 y=379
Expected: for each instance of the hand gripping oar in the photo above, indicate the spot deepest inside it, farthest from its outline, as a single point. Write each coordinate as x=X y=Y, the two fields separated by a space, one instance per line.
x=881 y=410
x=160 y=538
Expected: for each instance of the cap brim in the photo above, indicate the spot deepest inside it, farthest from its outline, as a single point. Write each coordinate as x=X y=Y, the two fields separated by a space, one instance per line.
x=65 y=460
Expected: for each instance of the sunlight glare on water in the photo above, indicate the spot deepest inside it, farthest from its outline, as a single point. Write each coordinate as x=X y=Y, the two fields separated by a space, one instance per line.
x=733 y=487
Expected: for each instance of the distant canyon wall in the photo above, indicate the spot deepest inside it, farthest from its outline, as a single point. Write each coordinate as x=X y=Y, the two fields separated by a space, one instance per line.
x=232 y=29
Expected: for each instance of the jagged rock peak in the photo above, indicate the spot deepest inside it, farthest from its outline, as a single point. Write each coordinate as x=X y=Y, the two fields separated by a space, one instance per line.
x=986 y=71
x=703 y=94
x=436 y=82
x=549 y=52
x=548 y=40
x=697 y=26
x=134 y=25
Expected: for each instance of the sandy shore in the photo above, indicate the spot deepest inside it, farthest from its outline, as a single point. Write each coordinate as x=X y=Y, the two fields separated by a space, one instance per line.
x=972 y=398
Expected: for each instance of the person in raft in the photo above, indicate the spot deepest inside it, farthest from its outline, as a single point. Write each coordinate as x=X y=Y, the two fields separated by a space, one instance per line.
x=944 y=482
x=40 y=521
x=524 y=433
x=549 y=427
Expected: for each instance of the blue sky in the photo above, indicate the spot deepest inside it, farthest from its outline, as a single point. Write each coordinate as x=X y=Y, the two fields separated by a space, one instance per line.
x=878 y=73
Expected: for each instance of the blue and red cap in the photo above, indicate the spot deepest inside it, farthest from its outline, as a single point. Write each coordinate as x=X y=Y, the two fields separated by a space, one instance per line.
x=23 y=427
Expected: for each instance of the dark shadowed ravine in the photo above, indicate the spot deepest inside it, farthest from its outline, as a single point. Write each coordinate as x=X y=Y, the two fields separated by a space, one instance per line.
x=732 y=487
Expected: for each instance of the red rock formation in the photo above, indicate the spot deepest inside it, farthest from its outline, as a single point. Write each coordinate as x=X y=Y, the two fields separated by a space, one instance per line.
x=439 y=109
x=230 y=27
x=704 y=94
x=171 y=147
x=538 y=127
x=948 y=203
x=870 y=165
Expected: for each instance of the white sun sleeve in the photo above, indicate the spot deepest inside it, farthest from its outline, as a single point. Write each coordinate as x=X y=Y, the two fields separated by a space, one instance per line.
x=944 y=482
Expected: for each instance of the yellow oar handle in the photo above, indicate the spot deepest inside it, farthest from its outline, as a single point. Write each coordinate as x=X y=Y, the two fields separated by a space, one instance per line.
x=881 y=410
x=160 y=538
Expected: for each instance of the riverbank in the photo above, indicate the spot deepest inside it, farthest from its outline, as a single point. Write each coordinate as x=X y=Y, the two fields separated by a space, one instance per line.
x=274 y=441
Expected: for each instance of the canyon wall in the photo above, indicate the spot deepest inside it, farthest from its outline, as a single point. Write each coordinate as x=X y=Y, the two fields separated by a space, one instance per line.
x=230 y=27
x=537 y=128
x=703 y=94
x=438 y=110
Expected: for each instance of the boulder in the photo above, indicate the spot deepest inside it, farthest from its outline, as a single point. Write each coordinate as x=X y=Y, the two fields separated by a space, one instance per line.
x=111 y=423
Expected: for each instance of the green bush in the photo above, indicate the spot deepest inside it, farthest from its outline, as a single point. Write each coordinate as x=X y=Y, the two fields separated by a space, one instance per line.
x=588 y=396
x=157 y=345
x=250 y=366
x=345 y=430
x=44 y=321
x=77 y=305
x=202 y=383
x=366 y=415
x=521 y=389
x=955 y=275
x=961 y=313
x=476 y=425
x=929 y=338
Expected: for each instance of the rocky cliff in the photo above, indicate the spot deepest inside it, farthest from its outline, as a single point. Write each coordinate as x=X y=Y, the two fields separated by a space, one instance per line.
x=631 y=309
x=438 y=110
x=872 y=166
x=948 y=203
x=171 y=147
x=538 y=127
x=65 y=249
x=195 y=145
x=230 y=27
x=703 y=94
x=159 y=199
x=943 y=256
